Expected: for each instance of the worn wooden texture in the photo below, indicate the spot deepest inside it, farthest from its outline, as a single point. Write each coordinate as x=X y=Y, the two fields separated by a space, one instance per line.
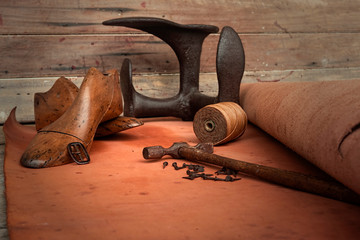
x=2 y=137
x=284 y=40
x=37 y=56
x=20 y=92
x=66 y=37
x=246 y=16
x=3 y=227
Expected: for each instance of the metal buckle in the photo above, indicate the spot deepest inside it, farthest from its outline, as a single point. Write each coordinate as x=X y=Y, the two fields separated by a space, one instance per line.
x=78 y=153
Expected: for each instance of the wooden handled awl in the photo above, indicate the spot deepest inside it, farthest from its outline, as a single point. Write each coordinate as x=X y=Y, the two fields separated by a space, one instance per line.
x=203 y=153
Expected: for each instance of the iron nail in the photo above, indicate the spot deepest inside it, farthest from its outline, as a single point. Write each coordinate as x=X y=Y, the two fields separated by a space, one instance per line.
x=227 y=171
x=190 y=178
x=205 y=177
x=176 y=167
x=165 y=164
x=195 y=168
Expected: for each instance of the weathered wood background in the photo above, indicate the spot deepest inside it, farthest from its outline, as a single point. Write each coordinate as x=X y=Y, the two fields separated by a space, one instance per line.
x=284 y=40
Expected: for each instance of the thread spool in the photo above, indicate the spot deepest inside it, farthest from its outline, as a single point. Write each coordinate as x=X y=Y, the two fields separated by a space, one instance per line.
x=220 y=123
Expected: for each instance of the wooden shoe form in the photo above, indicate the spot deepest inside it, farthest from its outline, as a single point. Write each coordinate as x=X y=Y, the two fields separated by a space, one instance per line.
x=50 y=105
x=116 y=107
x=78 y=124
x=117 y=125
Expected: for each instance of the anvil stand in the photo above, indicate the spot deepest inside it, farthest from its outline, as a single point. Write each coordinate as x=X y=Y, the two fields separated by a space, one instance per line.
x=186 y=41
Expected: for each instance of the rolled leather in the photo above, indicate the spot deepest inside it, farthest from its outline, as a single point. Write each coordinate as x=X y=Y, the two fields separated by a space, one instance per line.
x=318 y=120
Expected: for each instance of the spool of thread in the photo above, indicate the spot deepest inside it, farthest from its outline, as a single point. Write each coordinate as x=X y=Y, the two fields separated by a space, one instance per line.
x=220 y=123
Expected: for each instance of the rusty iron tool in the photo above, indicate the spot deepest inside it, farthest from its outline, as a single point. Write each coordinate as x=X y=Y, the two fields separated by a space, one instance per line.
x=186 y=41
x=307 y=183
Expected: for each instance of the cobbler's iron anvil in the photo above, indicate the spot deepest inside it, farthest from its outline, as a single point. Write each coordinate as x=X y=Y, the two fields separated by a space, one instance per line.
x=186 y=41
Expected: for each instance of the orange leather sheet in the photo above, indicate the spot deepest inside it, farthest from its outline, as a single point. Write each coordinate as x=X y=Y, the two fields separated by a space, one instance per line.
x=119 y=195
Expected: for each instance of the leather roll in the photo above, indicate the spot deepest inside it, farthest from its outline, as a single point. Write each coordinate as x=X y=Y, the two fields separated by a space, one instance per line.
x=318 y=120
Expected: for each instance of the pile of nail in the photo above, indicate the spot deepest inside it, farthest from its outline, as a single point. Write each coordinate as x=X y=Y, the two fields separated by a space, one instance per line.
x=197 y=171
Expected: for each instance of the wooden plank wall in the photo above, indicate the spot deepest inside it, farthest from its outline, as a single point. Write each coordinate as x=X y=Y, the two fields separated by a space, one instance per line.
x=284 y=40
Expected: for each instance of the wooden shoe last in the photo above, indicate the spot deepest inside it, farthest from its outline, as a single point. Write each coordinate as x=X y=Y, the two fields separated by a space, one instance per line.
x=50 y=105
x=78 y=124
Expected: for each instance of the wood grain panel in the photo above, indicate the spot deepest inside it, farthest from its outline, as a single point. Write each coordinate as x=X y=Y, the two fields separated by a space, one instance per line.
x=284 y=40
x=72 y=55
x=3 y=224
x=28 y=56
x=2 y=142
x=246 y=16
x=2 y=191
x=20 y=92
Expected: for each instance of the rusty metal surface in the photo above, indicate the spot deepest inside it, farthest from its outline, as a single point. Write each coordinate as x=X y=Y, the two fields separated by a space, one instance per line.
x=186 y=41
x=230 y=65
